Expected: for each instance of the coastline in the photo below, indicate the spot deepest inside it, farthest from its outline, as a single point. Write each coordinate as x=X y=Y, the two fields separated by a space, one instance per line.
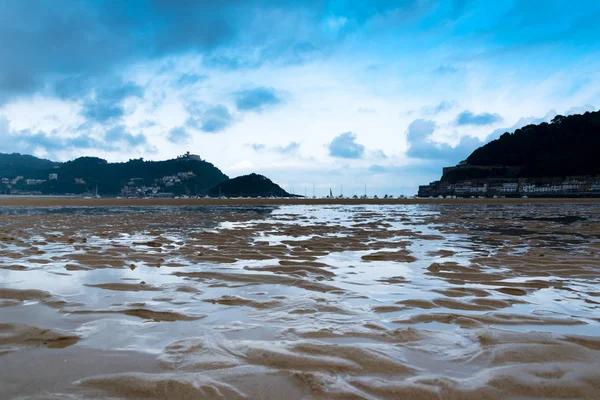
x=55 y=201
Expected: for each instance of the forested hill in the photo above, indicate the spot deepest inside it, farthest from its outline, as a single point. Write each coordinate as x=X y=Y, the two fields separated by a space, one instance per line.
x=83 y=174
x=253 y=185
x=566 y=146
x=17 y=164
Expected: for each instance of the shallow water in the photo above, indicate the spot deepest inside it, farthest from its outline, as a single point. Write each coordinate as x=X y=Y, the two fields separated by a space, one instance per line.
x=398 y=301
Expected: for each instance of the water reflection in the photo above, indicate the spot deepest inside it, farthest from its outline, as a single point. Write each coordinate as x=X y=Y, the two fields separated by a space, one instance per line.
x=433 y=287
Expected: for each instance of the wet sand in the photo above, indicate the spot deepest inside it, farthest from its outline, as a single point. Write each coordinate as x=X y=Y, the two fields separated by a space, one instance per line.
x=49 y=201
x=421 y=299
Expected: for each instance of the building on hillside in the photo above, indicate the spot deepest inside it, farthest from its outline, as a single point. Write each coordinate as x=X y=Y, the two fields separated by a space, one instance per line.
x=34 y=181
x=53 y=177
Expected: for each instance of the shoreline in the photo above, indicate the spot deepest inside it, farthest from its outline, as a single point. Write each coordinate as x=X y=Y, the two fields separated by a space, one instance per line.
x=52 y=201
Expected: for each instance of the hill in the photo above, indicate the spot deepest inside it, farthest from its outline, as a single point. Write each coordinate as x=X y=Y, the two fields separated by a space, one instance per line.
x=15 y=163
x=568 y=146
x=185 y=175
x=253 y=185
x=557 y=159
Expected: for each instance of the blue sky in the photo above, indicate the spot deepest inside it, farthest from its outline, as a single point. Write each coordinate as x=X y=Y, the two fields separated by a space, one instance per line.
x=324 y=93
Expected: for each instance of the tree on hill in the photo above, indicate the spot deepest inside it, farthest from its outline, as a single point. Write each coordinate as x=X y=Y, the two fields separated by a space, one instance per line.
x=17 y=164
x=566 y=146
x=112 y=177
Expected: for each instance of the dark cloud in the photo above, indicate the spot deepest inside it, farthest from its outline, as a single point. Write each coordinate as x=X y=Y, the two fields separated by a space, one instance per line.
x=107 y=103
x=29 y=142
x=178 y=135
x=43 y=40
x=256 y=99
x=468 y=118
x=102 y=112
x=345 y=146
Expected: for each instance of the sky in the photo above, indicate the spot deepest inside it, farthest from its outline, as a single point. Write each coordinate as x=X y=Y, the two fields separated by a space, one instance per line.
x=313 y=94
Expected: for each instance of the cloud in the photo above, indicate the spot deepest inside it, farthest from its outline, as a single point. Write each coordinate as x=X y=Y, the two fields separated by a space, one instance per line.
x=107 y=103
x=209 y=118
x=422 y=146
x=345 y=146
x=258 y=146
x=189 y=79
x=419 y=130
x=178 y=135
x=377 y=169
x=216 y=119
x=256 y=99
x=95 y=37
x=446 y=70
x=363 y=110
x=468 y=118
x=377 y=154
x=580 y=110
x=147 y=124
x=441 y=107
x=289 y=148
x=524 y=121
x=119 y=134
x=28 y=142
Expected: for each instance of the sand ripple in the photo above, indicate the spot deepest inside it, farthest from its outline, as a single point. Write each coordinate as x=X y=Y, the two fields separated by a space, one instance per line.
x=432 y=301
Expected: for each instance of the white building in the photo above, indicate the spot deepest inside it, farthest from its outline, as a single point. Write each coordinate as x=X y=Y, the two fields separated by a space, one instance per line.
x=509 y=187
x=53 y=177
x=467 y=187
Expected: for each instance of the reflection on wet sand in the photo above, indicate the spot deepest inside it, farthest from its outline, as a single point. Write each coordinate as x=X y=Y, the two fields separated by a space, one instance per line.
x=462 y=301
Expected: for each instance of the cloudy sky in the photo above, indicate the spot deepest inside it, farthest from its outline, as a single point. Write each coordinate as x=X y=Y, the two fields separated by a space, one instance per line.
x=326 y=93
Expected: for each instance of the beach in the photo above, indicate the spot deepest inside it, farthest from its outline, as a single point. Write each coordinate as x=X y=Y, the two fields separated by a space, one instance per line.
x=299 y=298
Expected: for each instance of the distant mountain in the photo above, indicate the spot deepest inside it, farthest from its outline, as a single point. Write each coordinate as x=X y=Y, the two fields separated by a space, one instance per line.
x=568 y=146
x=253 y=185
x=187 y=174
